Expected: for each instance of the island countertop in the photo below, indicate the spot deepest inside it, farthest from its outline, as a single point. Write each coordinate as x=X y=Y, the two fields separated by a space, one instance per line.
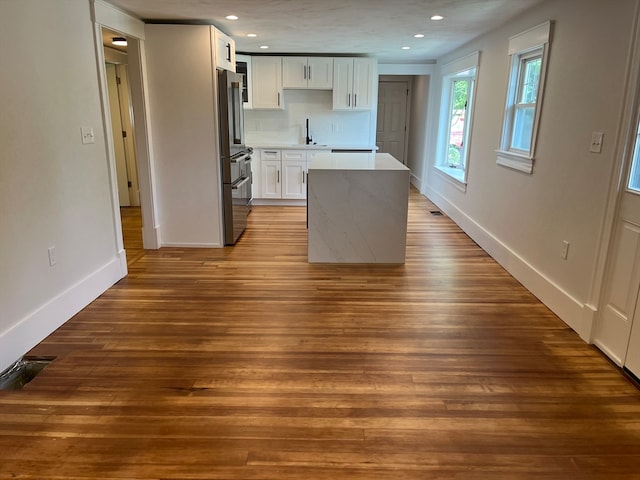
x=355 y=161
x=357 y=206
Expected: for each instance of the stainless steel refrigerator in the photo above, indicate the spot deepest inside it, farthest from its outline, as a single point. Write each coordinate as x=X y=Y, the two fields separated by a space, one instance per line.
x=235 y=156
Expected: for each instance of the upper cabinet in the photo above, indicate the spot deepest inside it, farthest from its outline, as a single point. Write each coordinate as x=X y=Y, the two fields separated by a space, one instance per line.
x=353 y=83
x=225 y=51
x=266 y=83
x=307 y=72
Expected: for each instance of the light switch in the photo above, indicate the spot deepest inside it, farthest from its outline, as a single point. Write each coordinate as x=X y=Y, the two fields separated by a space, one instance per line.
x=596 y=142
x=87 y=135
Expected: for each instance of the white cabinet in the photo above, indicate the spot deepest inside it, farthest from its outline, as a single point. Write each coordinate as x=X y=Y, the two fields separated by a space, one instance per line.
x=294 y=174
x=270 y=174
x=266 y=82
x=353 y=83
x=307 y=72
x=283 y=174
x=225 y=51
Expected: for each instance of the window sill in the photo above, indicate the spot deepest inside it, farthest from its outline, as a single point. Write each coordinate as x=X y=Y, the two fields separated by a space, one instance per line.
x=455 y=176
x=522 y=163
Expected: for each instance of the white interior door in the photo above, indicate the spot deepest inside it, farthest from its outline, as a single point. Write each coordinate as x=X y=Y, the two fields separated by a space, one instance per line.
x=392 y=116
x=618 y=329
x=126 y=113
x=118 y=140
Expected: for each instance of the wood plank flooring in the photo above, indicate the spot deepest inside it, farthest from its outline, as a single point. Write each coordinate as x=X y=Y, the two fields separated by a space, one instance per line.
x=248 y=363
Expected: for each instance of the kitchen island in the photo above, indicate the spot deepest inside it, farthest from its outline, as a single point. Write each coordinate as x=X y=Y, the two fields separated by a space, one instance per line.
x=357 y=207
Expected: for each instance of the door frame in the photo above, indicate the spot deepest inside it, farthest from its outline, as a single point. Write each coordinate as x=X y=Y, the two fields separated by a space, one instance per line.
x=623 y=154
x=106 y=15
x=408 y=79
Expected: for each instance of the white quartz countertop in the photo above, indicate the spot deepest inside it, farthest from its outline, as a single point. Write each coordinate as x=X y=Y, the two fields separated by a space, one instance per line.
x=355 y=161
x=302 y=146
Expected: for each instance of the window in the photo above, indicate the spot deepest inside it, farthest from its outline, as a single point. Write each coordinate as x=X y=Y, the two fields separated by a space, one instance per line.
x=458 y=86
x=528 y=51
x=634 y=176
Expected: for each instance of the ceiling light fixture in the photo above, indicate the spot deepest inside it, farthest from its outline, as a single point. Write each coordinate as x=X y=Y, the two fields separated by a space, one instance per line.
x=120 y=41
x=264 y=47
x=406 y=48
x=437 y=17
x=419 y=35
x=231 y=17
x=252 y=35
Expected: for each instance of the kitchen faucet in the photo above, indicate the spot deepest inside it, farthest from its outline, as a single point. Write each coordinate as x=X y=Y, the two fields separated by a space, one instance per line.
x=308 y=139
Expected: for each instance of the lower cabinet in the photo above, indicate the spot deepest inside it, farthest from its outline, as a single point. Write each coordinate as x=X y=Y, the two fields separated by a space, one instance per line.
x=282 y=174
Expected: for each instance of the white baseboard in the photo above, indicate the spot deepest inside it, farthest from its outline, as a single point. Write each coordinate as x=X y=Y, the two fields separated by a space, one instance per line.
x=579 y=316
x=34 y=328
x=191 y=245
x=416 y=182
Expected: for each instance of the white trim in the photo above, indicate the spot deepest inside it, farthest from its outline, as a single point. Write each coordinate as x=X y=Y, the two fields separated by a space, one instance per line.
x=523 y=163
x=108 y=15
x=461 y=64
x=20 y=338
x=406 y=69
x=454 y=176
x=578 y=315
x=533 y=38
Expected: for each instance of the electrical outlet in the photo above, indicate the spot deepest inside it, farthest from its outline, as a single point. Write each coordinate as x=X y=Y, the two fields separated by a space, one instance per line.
x=565 y=249
x=52 y=256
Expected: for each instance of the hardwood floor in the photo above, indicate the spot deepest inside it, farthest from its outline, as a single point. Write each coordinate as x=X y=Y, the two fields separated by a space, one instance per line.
x=249 y=363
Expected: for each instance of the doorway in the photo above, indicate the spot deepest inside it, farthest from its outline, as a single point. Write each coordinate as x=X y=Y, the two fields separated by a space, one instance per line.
x=391 y=130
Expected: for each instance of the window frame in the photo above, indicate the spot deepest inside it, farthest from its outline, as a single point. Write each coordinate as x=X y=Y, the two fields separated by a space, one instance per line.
x=523 y=47
x=450 y=73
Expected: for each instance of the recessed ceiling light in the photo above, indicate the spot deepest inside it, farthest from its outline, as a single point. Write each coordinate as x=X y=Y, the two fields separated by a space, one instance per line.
x=231 y=17
x=406 y=48
x=252 y=35
x=264 y=47
x=121 y=41
x=419 y=35
x=437 y=17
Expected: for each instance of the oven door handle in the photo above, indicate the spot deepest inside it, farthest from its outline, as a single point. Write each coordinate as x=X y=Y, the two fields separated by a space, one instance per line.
x=241 y=183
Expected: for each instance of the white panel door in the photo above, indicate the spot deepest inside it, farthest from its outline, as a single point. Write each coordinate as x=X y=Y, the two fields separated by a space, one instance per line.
x=266 y=82
x=617 y=332
x=118 y=140
x=392 y=115
x=320 y=73
x=294 y=72
x=342 y=83
x=363 y=86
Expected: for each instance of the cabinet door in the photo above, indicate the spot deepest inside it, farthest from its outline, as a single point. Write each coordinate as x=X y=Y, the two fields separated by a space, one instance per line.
x=320 y=73
x=271 y=179
x=342 y=83
x=266 y=82
x=225 y=50
x=363 y=85
x=293 y=179
x=294 y=72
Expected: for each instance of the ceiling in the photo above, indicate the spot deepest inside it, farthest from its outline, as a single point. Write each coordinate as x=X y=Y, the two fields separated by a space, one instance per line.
x=378 y=28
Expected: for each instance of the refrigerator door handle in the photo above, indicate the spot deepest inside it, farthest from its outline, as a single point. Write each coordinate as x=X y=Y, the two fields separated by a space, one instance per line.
x=242 y=183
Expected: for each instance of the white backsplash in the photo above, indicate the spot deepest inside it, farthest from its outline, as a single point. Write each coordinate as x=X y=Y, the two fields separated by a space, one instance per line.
x=327 y=127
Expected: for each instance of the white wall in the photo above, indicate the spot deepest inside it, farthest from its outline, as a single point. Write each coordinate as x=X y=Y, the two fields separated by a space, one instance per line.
x=184 y=127
x=328 y=127
x=417 y=146
x=522 y=219
x=54 y=191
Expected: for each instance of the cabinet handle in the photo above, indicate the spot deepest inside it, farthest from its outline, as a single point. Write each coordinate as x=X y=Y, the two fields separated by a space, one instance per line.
x=309 y=72
x=348 y=99
x=278 y=180
x=304 y=72
x=278 y=98
x=228 y=52
x=355 y=100
x=303 y=178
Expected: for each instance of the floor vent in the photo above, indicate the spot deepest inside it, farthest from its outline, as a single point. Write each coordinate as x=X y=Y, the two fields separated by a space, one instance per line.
x=436 y=213
x=22 y=372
